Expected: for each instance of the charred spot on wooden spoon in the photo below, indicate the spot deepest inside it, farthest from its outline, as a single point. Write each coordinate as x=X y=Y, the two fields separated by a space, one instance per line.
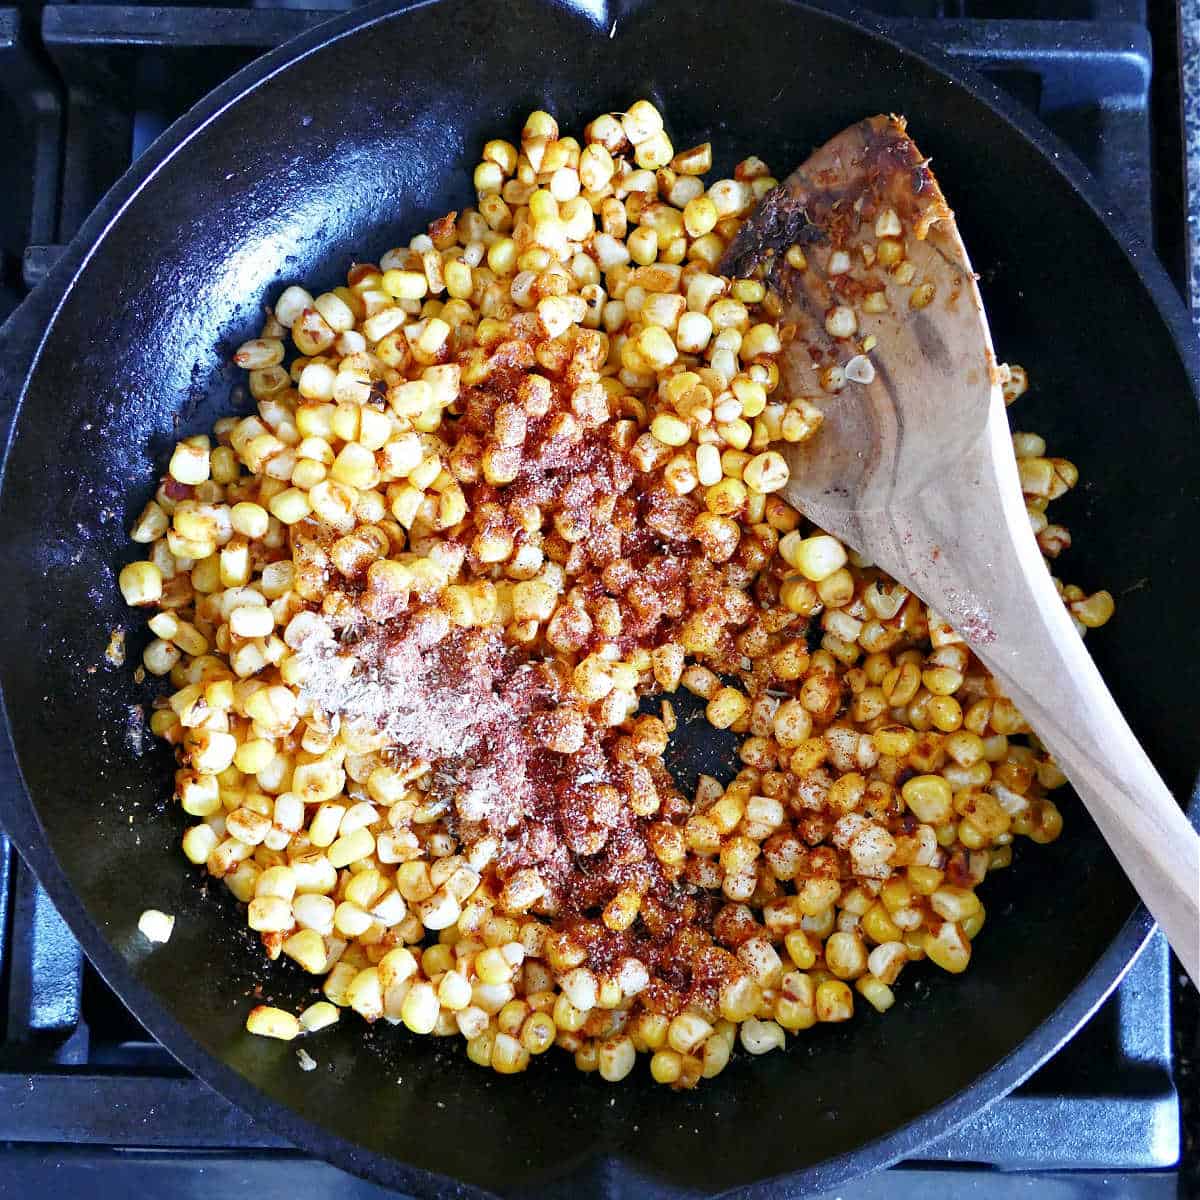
x=779 y=221
x=868 y=167
x=894 y=170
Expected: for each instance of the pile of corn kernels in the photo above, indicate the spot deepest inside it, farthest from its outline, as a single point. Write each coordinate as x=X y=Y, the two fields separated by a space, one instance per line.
x=884 y=774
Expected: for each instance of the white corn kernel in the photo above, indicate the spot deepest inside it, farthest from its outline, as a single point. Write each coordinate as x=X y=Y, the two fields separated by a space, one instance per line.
x=840 y=322
x=760 y=1037
x=156 y=926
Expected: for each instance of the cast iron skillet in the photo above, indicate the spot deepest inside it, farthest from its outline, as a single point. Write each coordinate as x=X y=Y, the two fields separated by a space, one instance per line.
x=335 y=148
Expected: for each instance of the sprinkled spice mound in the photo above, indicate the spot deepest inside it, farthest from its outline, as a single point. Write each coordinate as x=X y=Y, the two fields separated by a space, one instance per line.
x=519 y=477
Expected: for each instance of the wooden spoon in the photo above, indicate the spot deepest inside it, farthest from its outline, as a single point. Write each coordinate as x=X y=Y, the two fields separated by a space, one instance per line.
x=913 y=467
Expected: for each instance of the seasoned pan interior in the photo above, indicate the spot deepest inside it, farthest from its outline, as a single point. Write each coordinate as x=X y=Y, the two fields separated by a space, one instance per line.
x=348 y=150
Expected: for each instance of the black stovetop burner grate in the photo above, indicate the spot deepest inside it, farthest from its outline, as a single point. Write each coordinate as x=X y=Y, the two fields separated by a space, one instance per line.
x=88 y=1100
x=82 y=1085
x=91 y=85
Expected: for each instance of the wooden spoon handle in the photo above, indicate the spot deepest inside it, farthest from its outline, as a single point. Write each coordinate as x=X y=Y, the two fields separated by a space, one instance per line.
x=992 y=586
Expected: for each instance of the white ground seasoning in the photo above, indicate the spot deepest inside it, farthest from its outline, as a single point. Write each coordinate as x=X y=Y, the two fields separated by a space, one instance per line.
x=397 y=688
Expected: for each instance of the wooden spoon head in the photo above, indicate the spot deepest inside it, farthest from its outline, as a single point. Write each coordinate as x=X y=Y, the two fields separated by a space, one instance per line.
x=890 y=338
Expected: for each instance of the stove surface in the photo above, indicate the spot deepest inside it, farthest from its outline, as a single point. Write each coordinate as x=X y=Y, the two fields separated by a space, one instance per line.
x=89 y=1103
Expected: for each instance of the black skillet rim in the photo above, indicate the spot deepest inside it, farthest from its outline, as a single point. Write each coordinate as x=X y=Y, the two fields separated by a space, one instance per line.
x=24 y=826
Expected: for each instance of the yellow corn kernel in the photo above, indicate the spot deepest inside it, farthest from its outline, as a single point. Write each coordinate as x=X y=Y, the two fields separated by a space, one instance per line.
x=318 y=1016
x=364 y=994
x=419 y=1009
x=509 y=1056
x=405 y=285
x=198 y=843
x=954 y=903
x=266 y=1021
x=834 y=1001
x=949 y=947
x=878 y=925
x=306 y=947
x=190 y=463
x=845 y=955
x=290 y=506
x=1094 y=611
x=929 y=799
x=924 y=880
x=351 y=848
x=726 y=707
x=875 y=992
x=727 y=498
x=766 y=472
x=815 y=557
x=141 y=583
x=666 y=1066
